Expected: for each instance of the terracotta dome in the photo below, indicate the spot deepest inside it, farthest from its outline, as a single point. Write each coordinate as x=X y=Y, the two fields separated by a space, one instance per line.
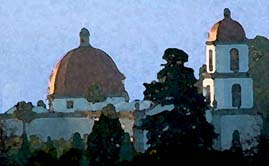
x=227 y=30
x=83 y=67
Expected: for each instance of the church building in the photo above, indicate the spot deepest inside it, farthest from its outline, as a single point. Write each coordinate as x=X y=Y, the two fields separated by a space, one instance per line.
x=81 y=71
x=227 y=84
x=86 y=79
x=82 y=83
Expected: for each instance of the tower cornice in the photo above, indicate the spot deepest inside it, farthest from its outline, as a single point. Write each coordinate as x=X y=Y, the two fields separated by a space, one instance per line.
x=226 y=75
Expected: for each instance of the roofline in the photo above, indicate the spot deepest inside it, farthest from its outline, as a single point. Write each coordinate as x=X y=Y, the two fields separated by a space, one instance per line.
x=225 y=42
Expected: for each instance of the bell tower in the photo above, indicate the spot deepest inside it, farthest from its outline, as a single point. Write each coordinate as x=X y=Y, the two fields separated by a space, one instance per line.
x=227 y=85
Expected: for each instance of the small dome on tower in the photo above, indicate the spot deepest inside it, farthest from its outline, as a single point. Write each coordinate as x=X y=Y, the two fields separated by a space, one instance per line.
x=227 y=30
x=84 y=67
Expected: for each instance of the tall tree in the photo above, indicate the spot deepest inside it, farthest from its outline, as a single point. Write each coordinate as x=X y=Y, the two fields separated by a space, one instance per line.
x=185 y=125
x=105 y=139
x=263 y=150
x=24 y=151
x=126 y=149
x=77 y=142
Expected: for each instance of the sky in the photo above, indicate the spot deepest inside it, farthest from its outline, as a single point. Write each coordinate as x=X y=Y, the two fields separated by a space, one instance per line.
x=35 y=35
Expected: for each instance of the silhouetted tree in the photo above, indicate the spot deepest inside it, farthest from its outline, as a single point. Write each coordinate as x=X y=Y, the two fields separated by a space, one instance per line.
x=105 y=139
x=35 y=143
x=263 y=150
x=41 y=103
x=2 y=137
x=24 y=112
x=126 y=149
x=77 y=142
x=24 y=151
x=50 y=149
x=185 y=126
x=41 y=158
x=3 y=152
x=72 y=157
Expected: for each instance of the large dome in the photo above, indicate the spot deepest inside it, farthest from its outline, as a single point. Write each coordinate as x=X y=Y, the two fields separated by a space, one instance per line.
x=227 y=30
x=84 y=67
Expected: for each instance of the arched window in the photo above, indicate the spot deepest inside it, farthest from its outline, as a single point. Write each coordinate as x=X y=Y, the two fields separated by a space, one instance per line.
x=207 y=94
x=210 y=60
x=236 y=95
x=234 y=60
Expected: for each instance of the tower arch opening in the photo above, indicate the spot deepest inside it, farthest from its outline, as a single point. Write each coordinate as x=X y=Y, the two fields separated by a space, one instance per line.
x=210 y=65
x=236 y=95
x=234 y=60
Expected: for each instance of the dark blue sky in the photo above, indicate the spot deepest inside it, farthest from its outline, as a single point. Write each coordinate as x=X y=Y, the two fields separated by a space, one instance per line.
x=34 y=35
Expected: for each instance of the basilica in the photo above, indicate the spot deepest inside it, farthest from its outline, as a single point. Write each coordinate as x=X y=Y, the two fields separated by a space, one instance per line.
x=86 y=79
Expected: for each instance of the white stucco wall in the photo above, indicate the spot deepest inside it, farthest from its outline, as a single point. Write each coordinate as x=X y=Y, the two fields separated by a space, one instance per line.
x=39 y=109
x=223 y=92
x=81 y=104
x=249 y=127
x=211 y=47
x=12 y=127
x=58 y=128
x=159 y=108
x=127 y=125
x=140 y=140
x=223 y=57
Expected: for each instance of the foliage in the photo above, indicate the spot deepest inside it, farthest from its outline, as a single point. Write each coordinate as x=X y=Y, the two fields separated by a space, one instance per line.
x=2 y=137
x=41 y=158
x=126 y=149
x=77 y=142
x=72 y=157
x=62 y=146
x=175 y=83
x=185 y=127
x=24 y=151
x=263 y=150
x=258 y=63
x=24 y=112
x=35 y=143
x=41 y=103
x=49 y=148
x=105 y=139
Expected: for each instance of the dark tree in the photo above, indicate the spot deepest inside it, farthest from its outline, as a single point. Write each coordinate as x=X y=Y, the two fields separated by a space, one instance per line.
x=72 y=157
x=2 y=137
x=41 y=103
x=105 y=139
x=24 y=151
x=263 y=150
x=185 y=126
x=77 y=142
x=126 y=149
x=50 y=149
x=24 y=112
x=41 y=158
